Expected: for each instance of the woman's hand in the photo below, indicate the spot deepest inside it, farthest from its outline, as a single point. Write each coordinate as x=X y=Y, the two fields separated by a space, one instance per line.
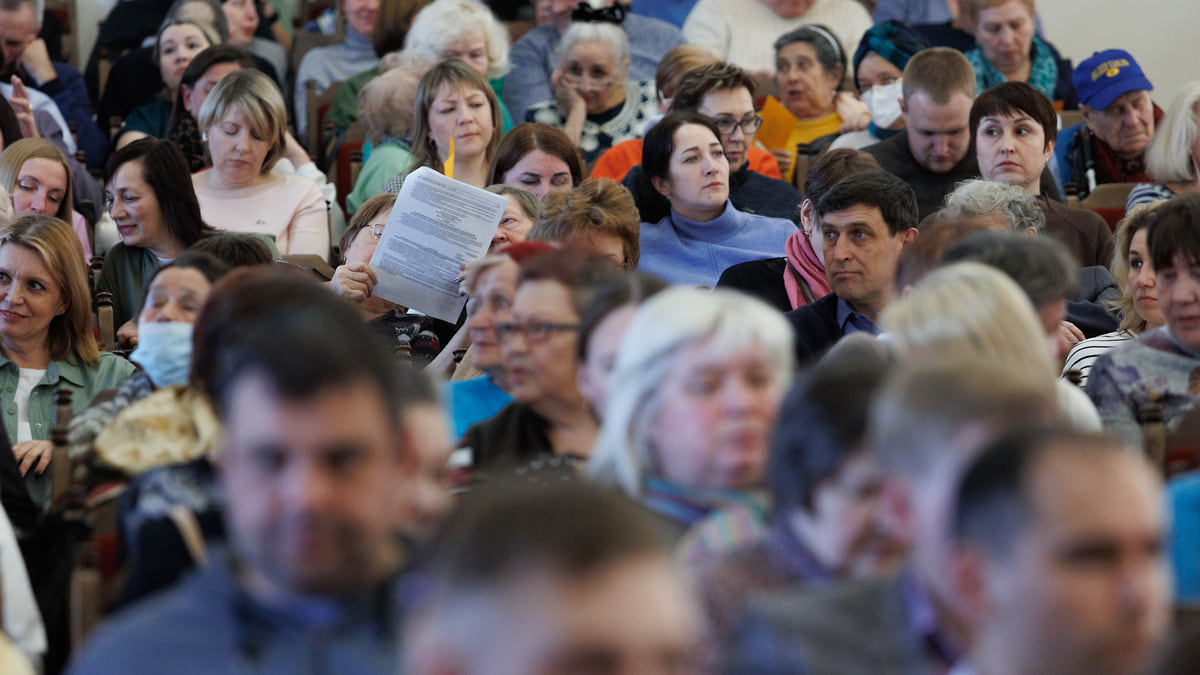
x=31 y=454
x=784 y=158
x=127 y=334
x=854 y=113
x=23 y=109
x=295 y=152
x=353 y=281
x=568 y=98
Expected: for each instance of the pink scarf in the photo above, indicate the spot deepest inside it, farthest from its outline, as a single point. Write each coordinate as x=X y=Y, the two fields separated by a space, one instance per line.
x=804 y=277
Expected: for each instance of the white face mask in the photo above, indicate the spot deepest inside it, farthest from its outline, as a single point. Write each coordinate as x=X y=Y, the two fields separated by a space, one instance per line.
x=883 y=102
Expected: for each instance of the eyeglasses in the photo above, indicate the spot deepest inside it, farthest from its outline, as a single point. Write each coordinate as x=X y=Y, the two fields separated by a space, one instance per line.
x=726 y=125
x=532 y=331
x=587 y=82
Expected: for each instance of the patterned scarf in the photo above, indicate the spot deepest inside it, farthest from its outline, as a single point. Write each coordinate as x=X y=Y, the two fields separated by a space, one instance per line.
x=1043 y=70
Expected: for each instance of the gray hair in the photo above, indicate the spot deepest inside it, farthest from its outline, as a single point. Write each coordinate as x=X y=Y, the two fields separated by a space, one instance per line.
x=610 y=34
x=981 y=198
x=448 y=21
x=387 y=103
x=1169 y=156
x=529 y=203
x=830 y=53
x=660 y=332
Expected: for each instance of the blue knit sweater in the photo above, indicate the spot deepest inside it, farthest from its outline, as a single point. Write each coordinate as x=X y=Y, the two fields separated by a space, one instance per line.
x=684 y=251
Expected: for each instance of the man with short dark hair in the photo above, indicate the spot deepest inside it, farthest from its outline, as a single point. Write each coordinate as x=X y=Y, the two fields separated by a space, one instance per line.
x=1119 y=120
x=315 y=471
x=865 y=220
x=724 y=93
x=562 y=578
x=1058 y=557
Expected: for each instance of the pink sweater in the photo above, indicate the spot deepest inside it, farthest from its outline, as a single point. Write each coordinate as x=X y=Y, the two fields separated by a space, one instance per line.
x=290 y=208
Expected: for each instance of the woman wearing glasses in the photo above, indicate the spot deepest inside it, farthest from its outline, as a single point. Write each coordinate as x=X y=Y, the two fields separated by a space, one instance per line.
x=549 y=425
x=703 y=234
x=593 y=101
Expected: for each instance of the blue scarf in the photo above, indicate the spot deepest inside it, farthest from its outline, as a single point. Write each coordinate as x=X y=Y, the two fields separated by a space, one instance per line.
x=1043 y=70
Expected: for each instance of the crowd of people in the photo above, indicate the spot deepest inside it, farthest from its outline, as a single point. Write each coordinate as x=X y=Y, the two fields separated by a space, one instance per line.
x=816 y=336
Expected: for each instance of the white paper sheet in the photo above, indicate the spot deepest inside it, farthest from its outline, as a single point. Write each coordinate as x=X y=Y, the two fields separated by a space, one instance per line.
x=436 y=225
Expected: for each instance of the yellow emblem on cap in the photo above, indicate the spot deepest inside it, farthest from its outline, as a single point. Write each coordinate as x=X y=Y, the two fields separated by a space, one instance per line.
x=1109 y=69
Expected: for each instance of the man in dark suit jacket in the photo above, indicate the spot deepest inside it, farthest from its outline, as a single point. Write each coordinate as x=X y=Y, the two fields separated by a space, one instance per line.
x=926 y=423
x=866 y=219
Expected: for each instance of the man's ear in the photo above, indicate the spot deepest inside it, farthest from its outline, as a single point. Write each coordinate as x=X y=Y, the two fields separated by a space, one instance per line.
x=909 y=236
x=903 y=108
x=967 y=566
x=1085 y=112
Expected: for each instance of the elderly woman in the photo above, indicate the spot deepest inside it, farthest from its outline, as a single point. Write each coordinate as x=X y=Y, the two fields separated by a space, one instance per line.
x=692 y=400
x=38 y=179
x=594 y=103
x=537 y=158
x=809 y=67
x=325 y=65
x=972 y=311
x=684 y=169
x=386 y=107
x=245 y=123
x=549 y=421
x=457 y=116
x=1133 y=270
x=46 y=339
x=799 y=278
x=878 y=67
x=1008 y=51
x=150 y=197
x=178 y=42
x=1173 y=155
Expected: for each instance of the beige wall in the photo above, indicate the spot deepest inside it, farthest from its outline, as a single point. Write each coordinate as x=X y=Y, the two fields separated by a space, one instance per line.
x=1161 y=35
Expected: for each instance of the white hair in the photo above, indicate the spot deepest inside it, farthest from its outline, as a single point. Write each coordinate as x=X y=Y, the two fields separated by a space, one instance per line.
x=1169 y=157
x=610 y=34
x=978 y=197
x=662 y=329
x=446 y=21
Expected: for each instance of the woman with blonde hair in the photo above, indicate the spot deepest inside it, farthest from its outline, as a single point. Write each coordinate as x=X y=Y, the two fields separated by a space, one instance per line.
x=692 y=400
x=38 y=179
x=970 y=311
x=1171 y=157
x=46 y=339
x=244 y=123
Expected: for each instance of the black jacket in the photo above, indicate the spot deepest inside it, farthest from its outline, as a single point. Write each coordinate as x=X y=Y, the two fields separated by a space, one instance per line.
x=816 y=328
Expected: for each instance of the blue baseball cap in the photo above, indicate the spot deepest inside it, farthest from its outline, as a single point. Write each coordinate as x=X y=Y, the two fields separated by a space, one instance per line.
x=1105 y=76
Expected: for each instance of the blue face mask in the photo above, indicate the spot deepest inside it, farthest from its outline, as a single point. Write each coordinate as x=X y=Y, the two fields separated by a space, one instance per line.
x=164 y=351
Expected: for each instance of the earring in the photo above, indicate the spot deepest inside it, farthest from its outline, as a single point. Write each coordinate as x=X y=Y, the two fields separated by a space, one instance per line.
x=204 y=137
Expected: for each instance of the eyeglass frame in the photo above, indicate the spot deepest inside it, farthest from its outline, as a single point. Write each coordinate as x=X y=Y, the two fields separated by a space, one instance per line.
x=508 y=330
x=727 y=125
x=575 y=82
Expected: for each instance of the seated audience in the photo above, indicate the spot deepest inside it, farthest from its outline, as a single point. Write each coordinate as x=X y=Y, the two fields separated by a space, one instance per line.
x=331 y=392
x=385 y=105
x=594 y=101
x=1008 y=51
x=178 y=42
x=738 y=32
x=537 y=53
x=1013 y=127
x=685 y=172
x=798 y=278
x=1023 y=507
x=198 y=79
x=1119 y=119
x=457 y=116
x=879 y=65
x=467 y=31
x=1157 y=365
x=616 y=162
x=245 y=122
x=548 y=429
x=537 y=158
x=971 y=311
x=592 y=588
x=865 y=220
x=46 y=339
x=1133 y=271
x=827 y=521
x=692 y=399
x=325 y=65
x=150 y=196
x=602 y=325
x=925 y=424
x=479 y=390
x=809 y=68
x=392 y=22
x=1171 y=157
x=39 y=181
x=725 y=95
x=26 y=57
x=933 y=153
x=599 y=216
